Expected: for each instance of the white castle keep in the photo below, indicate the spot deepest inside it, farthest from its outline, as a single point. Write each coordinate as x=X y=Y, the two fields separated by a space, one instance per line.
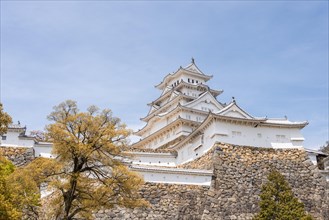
x=187 y=119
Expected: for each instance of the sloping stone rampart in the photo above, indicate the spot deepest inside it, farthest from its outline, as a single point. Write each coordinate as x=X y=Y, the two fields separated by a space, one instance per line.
x=19 y=156
x=239 y=173
x=167 y=202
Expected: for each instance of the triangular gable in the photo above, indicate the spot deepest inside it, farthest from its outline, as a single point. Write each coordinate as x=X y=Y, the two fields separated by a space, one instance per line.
x=168 y=88
x=233 y=110
x=206 y=100
x=193 y=68
x=173 y=95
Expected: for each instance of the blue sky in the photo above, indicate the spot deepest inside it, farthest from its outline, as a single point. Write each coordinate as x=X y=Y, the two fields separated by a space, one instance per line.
x=272 y=56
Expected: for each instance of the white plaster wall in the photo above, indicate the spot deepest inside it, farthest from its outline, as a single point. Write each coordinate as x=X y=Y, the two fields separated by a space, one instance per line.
x=43 y=151
x=154 y=160
x=185 y=78
x=168 y=136
x=191 y=92
x=12 y=140
x=237 y=134
x=175 y=178
x=195 y=149
x=255 y=136
x=198 y=117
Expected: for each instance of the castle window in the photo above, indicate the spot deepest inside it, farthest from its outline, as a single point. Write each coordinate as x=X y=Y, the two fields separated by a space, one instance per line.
x=196 y=81
x=280 y=137
x=192 y=80
x=4 y=138
x=236 y=133
x=188 y=116
x=188 y=80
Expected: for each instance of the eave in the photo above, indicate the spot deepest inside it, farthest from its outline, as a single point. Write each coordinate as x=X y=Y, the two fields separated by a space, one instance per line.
x=181 y=70
x=179 y=97
x=205 y=87
x=171 y=170
x=177 y=121
x=178 y=108
x=286 y=125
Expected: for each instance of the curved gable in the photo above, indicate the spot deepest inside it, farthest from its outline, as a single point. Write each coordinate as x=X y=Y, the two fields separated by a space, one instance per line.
x=205 y=102
x=233 y=110
x=235 y=114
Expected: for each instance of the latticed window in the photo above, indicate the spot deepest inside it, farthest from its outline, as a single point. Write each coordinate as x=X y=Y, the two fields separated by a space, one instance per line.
x=236 y=133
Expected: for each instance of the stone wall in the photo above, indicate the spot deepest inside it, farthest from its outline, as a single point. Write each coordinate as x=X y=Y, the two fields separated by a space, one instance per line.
x=239 y=173
x=19 y=156
x=167 y=202
x=326 y=163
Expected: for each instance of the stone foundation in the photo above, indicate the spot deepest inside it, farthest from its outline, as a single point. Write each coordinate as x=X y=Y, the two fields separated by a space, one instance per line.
x=239 y=173
x=167 y=202
x=19 y=156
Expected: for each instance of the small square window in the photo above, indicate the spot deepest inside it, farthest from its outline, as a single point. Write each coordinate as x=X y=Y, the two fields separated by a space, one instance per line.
x=4 y=138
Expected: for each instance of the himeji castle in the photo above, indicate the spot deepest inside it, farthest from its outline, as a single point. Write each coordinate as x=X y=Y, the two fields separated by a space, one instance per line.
x=188 y=117
x=189 y=120
x=184 y=127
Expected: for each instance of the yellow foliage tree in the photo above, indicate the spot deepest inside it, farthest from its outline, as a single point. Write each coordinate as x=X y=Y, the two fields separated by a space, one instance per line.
x=19 y=193
x=89 y=173
x=5 y=120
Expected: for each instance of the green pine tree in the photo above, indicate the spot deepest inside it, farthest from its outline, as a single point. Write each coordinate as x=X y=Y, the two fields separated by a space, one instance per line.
x=277 y=201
